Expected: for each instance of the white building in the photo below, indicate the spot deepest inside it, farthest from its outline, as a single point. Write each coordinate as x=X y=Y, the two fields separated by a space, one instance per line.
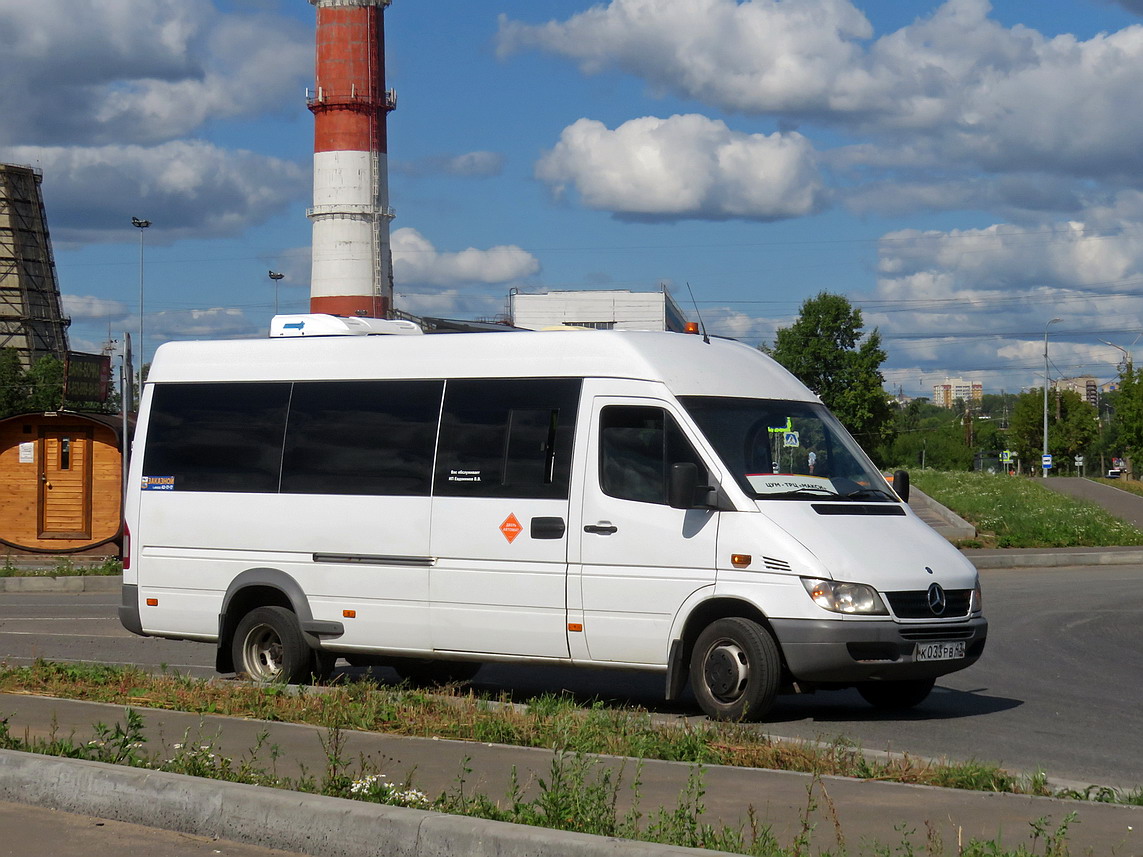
x=1086 y=386
x=946 y=394
x=612 y=309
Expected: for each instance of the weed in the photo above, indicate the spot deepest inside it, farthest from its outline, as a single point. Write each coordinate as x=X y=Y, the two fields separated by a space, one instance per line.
x=579 y=794
x=550 y=722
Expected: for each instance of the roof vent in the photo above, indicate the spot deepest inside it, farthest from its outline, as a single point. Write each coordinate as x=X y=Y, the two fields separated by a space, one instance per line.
x=315 y=324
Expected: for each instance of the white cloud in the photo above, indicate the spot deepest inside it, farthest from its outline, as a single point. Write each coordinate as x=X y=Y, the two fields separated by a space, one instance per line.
x=956 y=87
x=760 y=55
x=186 y=188
x=141 y=71
x=417 y=262
x=88 y=308
x=685 y=166
x=216 y=323
x=979 y=299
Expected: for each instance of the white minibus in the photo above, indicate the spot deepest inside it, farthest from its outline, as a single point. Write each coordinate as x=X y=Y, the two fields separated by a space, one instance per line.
x=627 y=499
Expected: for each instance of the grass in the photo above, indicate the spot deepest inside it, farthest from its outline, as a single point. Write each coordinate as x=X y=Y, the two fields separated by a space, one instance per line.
x=1013 y=512
x=579 y=794
x=550 y=722
x=65 y=567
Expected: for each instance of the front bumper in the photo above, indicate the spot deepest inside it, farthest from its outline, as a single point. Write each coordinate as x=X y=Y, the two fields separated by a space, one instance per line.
x=840 y=651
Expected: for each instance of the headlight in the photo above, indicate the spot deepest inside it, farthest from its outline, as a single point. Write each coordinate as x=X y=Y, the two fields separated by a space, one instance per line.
x=845 y=597
x=976 y=602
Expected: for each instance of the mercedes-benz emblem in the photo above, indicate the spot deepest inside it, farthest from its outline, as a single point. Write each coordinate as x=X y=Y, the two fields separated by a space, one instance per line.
x=937 y=600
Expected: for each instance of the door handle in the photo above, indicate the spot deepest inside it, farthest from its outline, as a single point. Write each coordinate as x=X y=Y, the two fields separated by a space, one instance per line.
x=603 y=528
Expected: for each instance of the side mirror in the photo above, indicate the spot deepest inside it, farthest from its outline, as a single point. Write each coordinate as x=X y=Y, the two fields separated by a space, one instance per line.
x=682 y=485
x=901 y=484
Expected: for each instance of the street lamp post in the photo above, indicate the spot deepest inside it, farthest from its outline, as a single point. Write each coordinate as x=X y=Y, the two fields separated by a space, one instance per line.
x=275 y=276
x=141 y=224
x=1043 y=469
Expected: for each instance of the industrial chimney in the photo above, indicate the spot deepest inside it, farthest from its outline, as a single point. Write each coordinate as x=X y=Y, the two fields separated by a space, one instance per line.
x=352 y=264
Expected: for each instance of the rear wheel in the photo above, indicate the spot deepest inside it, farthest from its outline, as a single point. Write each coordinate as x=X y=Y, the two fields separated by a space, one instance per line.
x=269 y=646
x=429 y=672
x=735 y=670
x=896 y=695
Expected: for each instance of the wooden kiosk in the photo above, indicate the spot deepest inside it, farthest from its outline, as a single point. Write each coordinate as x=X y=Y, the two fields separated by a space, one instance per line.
x=60 y=483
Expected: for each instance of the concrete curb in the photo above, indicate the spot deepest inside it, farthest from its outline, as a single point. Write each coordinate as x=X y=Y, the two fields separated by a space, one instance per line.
x=332 y=827
x=1057 y=558
x=70 y=583
x=953 y=527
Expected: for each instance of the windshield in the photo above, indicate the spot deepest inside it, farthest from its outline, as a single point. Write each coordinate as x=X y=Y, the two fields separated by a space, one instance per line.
x=781 y=450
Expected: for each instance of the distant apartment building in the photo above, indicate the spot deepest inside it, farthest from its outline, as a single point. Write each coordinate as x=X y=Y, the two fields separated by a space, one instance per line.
x=1085 y=386
x=946 y=394
x=610 y=309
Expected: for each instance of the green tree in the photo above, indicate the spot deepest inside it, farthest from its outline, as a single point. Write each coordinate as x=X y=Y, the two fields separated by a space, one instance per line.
x=13 y=387
x=828 y=351
x=45 y=384
x=1129 y=411
x=1072 y=427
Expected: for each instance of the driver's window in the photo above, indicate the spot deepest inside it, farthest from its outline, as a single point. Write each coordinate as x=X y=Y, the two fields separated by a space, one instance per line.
x=637 y=446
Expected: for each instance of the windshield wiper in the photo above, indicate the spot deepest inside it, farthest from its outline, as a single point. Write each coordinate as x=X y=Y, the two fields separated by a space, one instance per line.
x=804 y=492
x=871 y=492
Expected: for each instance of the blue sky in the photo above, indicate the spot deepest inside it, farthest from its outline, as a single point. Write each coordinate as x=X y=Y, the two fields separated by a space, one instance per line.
x=962 y=171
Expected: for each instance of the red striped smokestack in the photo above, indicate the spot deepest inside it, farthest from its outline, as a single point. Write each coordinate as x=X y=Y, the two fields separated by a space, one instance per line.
x=352 y=263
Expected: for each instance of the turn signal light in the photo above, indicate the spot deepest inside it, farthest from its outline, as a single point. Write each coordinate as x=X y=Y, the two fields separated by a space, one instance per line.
x=575 y=626
x=152 y=602
x=349 y=614
x=740 y=560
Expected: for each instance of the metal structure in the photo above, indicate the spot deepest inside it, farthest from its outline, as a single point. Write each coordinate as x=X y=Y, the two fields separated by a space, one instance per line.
x=352 y=262
x=31 y=320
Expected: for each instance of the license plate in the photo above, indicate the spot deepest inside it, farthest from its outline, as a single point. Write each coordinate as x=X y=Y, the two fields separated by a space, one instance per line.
x=939 y=651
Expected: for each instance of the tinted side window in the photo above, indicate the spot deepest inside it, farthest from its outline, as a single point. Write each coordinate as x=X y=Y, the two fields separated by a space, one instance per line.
x=507 y=438
x=216 y=437
x=361 y=437
x=637 y=446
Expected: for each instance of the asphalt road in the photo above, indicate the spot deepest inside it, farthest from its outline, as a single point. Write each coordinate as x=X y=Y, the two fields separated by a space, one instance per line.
x=1058 y=688
x=28 y=830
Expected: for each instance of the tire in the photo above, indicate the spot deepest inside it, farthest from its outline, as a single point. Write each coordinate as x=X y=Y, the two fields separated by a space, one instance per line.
x=735 y=670
x=896 y=695
x=429 y=673
x=269 y=646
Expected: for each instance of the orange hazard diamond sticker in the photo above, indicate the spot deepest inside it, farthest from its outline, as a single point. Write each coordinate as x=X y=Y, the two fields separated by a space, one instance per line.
x=511 y=528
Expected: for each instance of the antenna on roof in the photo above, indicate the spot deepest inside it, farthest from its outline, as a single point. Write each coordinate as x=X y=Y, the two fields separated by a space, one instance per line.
x=702 y=324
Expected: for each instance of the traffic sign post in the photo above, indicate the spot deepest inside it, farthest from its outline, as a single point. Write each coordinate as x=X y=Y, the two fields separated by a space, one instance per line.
x=1046 y=462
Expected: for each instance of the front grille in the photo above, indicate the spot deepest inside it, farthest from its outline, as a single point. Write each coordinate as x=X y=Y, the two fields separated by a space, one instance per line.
x=929 y=632
x=915 y=605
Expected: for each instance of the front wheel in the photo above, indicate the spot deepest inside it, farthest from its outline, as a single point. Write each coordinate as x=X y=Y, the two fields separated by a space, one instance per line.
x=896 y=695
x=269 y=646
x=735 y=670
